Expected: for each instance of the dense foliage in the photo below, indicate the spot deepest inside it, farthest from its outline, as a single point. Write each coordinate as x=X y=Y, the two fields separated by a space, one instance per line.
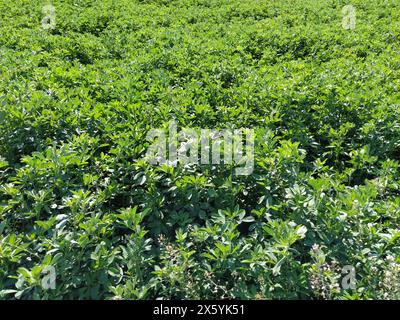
x=77 y=101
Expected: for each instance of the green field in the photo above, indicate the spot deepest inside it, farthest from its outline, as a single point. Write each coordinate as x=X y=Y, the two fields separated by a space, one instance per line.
x=84 y=215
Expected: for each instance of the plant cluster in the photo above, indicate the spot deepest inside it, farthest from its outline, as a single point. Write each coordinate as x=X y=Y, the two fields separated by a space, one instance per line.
x=76 y=194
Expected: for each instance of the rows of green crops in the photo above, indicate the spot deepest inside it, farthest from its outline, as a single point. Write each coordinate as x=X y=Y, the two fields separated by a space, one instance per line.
x=84 y=216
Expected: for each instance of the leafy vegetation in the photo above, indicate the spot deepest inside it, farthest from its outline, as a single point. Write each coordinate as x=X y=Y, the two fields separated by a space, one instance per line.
x=77 y=101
